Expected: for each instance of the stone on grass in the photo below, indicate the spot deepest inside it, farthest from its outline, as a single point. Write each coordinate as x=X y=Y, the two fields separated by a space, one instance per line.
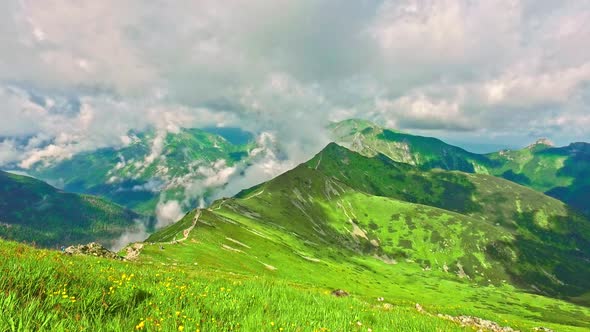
x=91 y=249
x=340 y=293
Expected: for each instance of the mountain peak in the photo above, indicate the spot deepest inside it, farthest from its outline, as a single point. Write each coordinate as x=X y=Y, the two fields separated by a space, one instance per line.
x=541 y=142
x=356 y=122
x=351 y=125
x=333 y=149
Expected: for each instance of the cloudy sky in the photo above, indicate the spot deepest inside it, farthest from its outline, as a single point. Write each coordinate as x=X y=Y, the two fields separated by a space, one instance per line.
x=80 y=74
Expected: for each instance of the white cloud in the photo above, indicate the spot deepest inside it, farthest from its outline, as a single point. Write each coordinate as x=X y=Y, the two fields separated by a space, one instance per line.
x=537 y=89
x=419 y=111
x=94 y=122
x=168 y=213
x=136 y=233
x=19 y=115
x=51 y=152
x=422 y=41
x=288 y=67
x=206 y=178
x=9 y=152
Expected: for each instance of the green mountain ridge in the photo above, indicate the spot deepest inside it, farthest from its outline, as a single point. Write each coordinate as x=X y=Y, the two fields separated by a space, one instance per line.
x=391 y=234
x=35 y=212
x=158 y=167
x=397 y=228
x=560 y=172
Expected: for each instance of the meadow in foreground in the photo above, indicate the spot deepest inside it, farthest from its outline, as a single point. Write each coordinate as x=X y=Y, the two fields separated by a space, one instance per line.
x=48 y=291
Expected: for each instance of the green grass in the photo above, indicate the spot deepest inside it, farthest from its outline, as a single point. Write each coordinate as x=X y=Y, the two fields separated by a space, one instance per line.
x=47 y=291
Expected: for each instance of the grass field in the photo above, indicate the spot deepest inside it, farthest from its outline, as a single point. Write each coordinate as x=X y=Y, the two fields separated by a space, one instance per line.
x=47 y=291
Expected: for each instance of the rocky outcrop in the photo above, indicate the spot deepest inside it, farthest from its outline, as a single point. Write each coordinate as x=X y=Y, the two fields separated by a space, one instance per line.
x=91 y=249
x=478 y=323
x=133 y=251
x=340 y=293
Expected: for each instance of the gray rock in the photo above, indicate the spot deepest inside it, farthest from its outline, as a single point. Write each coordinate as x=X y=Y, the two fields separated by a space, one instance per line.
x=91 y=249
x=479 y=323
x=340 y=293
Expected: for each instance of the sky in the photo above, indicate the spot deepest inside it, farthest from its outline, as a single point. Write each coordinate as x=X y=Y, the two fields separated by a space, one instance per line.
x=77 y=75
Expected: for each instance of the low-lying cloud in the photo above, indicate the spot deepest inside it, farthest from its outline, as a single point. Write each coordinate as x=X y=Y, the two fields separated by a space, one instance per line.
x=209 y=181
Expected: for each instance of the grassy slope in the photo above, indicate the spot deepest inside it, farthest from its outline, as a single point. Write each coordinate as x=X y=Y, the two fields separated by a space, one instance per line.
x=46 y=291
x=310 y=226
x=563 y=173
x=114 y=173
x=546 y=237
x=33 y=211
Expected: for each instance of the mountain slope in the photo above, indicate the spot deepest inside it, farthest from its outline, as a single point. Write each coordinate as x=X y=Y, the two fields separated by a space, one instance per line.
x=536 y=223
x=388 y=229
x=562 y=172
x=33 y=211
x=425 y=152
x=154 y=163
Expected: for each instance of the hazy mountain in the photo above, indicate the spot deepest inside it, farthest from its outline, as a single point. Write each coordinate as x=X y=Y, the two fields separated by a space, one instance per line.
x=35 y=212
x=153 y=164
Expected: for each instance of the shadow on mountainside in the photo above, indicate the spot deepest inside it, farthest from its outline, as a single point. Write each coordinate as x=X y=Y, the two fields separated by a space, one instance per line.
x=554 y=262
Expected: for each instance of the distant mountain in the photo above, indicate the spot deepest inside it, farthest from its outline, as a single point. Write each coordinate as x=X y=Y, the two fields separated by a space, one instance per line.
x=560 y=172
x=341 y=211
x=153 y=163
x=35 y=212
x=425 y=152
x=563 y=173
x=159 y=165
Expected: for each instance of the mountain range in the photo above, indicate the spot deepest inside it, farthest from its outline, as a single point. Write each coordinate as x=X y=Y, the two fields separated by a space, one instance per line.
x=341 y=206
x=379 y=214
x=154 y=165
x=388 y=230
x=159 y=166
x=560 y=172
